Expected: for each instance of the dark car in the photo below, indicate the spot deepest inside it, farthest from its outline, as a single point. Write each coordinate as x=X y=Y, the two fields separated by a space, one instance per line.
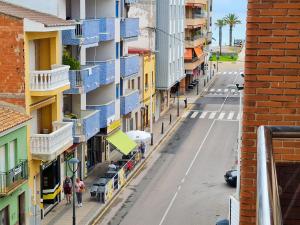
x=231 y=177
x=98 y=187
x=222 y=222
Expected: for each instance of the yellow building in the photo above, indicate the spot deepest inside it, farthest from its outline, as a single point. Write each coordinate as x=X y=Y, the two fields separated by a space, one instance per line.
x=147 y=84
x=43 y=80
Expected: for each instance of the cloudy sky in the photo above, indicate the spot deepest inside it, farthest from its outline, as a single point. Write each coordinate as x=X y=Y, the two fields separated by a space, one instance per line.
x=222 y=8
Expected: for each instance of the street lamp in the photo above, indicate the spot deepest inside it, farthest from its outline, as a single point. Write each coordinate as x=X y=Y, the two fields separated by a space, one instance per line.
x=74 y=162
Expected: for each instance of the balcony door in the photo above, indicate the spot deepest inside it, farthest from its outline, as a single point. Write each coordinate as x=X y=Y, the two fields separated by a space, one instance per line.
x=21 y=204
x=4 y=216
x=2 y=169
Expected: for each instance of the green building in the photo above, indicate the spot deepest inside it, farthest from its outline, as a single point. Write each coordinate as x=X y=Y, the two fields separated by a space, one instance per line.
x=14 y=194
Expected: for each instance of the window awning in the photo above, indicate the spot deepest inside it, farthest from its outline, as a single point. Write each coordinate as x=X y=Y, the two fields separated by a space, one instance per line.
x=121 y=142
x=188 y=54
x=198 y=51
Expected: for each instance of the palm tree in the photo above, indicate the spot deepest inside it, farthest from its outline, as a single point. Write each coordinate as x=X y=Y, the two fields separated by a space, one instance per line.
x=220 y=24
x=232 y=20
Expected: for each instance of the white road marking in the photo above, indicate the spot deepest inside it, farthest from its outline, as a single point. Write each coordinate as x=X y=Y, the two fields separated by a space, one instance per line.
x=212 y=115
x=221 y=116
x=224 y=73
x=219 y=90
x=232 y=90
x=212 y=90
x=230 y=116
x=230 y=73
x=203 y=115
x=226 y=90
x=238 y=116
x=187 y=172
x=194 y=114
x=235 y=72
x=186 y=114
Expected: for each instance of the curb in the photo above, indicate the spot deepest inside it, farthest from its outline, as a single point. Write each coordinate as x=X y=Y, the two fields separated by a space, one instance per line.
x=101 y=212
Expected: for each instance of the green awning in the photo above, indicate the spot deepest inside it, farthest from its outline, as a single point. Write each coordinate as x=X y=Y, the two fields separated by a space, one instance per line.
x=122 y=142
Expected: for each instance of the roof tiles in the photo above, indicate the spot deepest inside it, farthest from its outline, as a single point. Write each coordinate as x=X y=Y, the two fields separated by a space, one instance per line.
x=10 y=118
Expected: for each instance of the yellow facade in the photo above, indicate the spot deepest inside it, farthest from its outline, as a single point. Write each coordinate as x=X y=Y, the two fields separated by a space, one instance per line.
x=47 y=52
x=149 y=85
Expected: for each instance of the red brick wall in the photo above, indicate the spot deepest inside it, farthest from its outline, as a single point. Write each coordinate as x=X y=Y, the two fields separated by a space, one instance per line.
x=12 y=71
x=272 y=85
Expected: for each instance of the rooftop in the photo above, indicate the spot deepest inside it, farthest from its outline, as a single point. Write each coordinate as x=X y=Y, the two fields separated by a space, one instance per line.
x=22 y=13
x=10 y=118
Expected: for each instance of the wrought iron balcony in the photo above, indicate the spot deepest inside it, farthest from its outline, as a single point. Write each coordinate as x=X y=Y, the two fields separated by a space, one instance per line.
x=14 y=177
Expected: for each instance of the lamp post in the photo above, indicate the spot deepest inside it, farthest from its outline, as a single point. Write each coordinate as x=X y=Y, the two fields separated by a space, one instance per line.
x=74 y=162
x=178 y=85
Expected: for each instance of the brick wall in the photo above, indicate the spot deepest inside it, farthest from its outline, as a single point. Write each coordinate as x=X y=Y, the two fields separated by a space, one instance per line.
x=12 y=71
x=272 y=86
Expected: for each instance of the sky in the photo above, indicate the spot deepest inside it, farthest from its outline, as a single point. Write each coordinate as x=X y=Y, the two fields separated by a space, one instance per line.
x=223 y=7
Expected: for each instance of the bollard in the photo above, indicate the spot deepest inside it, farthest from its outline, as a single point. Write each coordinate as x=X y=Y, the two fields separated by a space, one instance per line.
x=185 y=103
x=170 y=118
x=151 y=139
x=162 y=127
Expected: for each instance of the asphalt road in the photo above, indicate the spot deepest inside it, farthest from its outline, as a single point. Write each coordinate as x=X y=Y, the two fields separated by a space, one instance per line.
x=184 y=183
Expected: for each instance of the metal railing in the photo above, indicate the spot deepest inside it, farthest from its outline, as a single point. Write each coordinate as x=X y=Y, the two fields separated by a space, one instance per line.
x=268 y=210
x=13 y=177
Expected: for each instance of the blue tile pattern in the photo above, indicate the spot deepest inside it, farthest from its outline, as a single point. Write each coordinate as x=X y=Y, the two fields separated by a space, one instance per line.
x=129 y=65
x=106 y=115
x=129 y=28
x=129 y=102
x=107 y=29
x=84 y=34
x=106 y=71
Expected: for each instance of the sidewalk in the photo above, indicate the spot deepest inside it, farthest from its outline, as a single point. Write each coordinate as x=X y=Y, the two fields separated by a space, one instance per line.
x=62 y=213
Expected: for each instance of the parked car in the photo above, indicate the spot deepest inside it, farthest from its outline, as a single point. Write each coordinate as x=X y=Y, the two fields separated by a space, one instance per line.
x=223 y=222
x=231 y=177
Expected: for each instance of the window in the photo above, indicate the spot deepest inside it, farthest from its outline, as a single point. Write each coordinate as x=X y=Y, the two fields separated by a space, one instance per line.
x=132 y=84
x=117 y=91
x=152 y=79
x=128 y=84
x=117 y=49
x=146 y=81
x=139 y=83
x=2 y=159
x=12 y=155
x=117 y=9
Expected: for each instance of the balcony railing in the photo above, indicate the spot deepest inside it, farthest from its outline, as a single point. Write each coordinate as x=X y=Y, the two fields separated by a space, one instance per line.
x=48 y=146
x=129 y=28
x=13 y=178
x=85 y=33
x=84 y=127
x=84 y=80
x=48 y=80
x=269 y=211
x=129 y=65
x=106 y=71
x=106 y=113
x=129 y=101
x=107 y=29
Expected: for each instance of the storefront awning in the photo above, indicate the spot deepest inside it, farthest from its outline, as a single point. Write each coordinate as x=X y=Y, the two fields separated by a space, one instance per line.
x=188 y=54
x=121 y=142
x=198 y=51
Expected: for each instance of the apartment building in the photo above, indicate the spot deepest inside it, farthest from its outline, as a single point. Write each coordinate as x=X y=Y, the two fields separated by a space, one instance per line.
x=14 y=191
x=170 y=16
x=196 y=30
x=31 y=51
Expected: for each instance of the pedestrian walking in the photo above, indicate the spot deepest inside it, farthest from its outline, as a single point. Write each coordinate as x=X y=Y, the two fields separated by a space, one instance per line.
x=79 y=188
x=142 y=149
x=67 y=186
x=112 y=166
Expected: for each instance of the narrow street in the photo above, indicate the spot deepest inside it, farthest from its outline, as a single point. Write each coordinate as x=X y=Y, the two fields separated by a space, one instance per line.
x=183 y=183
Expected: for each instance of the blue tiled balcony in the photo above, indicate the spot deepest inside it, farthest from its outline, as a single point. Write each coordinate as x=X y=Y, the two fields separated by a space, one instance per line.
x=129 y=65
x=129 y=101
x=107 y=29
x=84 y=80
x=106 y=71
x=106 y=115
x=131 y=1
x=84 y=126
x=85 y=33
x=129 y=28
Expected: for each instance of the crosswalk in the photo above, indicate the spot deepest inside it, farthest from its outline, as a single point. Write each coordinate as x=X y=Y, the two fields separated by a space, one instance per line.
x=213 y=115
x=222 y=91
x=231 y=72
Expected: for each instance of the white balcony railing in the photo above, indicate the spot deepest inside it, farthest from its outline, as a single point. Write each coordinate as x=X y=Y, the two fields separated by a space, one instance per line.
x=48 y=146
x=47 y=80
